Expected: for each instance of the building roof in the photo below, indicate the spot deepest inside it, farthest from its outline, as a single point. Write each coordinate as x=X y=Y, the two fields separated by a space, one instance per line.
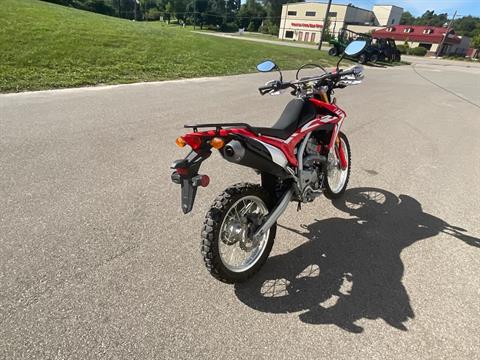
x=427 y=34
x=385 y=5
x=324 y=3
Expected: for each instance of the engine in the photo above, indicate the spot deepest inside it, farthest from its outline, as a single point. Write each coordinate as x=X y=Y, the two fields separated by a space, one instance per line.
x=312 y=175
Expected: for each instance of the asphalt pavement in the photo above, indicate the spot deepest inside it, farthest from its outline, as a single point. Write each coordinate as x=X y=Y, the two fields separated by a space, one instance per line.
x=97 y=259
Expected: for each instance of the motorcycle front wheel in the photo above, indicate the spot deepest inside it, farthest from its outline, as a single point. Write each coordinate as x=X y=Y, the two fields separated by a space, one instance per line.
x=229 y=252
x=337 y=178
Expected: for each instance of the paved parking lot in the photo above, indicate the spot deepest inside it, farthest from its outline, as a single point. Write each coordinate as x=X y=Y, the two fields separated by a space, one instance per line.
x=98 y=261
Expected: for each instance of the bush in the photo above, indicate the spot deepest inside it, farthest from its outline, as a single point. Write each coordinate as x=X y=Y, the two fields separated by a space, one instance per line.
x=418 y=51
x=153 y=14
x=251 y=27
x=229 y=27
x=273 y=29
x=402 y=49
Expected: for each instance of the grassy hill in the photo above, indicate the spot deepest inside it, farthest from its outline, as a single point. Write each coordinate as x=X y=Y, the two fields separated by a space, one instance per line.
x=43 y=46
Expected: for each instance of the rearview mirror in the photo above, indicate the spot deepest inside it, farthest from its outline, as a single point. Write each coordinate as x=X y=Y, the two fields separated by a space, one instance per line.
x=355 y=47
x=266 y=66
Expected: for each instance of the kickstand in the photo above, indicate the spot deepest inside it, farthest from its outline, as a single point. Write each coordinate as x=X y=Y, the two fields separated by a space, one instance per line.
x=299 y=206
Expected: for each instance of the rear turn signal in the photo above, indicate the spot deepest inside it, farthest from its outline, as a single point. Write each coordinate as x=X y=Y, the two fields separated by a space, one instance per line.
x=180 y=142
x=217 y=143
x=204 y=181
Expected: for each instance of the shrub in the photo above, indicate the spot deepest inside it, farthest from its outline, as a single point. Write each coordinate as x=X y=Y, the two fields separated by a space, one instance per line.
x=251 y=27
x=229 y=27
x=273 y=29
x=418 y=51
x=402 y=49
x=153 y=14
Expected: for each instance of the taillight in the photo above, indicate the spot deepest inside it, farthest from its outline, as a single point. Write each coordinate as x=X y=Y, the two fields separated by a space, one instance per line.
x=195 y=141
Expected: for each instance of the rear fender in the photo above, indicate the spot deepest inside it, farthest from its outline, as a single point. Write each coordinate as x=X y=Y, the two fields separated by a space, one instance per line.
x=186 y=174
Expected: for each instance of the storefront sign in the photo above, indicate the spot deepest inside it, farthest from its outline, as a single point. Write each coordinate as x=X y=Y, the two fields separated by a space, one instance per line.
x=307 y=25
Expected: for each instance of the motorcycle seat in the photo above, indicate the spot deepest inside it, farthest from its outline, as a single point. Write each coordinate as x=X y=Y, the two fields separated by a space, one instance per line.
x=297 y=113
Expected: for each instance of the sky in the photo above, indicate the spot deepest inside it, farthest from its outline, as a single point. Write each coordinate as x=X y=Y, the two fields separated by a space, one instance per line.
x=418 y=7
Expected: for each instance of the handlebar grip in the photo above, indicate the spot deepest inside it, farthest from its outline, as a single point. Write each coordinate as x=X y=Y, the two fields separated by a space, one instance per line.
x=346 y=72
x=265 y=89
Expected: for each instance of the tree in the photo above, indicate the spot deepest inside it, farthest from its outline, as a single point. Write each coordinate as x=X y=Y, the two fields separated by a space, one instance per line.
x=167 y=14
x=231 y=9
x=251 y=13
x=430 y=18
x=476 y=42
x=274 y=9
x=467 y=26
x=407 y=19
x=180 y=9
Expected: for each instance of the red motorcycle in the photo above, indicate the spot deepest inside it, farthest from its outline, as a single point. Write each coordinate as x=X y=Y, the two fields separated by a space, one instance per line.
x=303 y=155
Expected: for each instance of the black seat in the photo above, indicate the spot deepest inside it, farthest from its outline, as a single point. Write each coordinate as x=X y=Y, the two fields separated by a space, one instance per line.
x=297 y=113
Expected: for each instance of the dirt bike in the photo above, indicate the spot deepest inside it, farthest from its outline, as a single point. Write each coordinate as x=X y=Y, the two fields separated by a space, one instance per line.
x=302 y=156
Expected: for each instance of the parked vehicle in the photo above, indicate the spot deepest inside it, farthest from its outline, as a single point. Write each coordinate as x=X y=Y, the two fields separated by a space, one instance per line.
x=302 y=156
x=371 y=52
x=387 y=50
x=339 y=44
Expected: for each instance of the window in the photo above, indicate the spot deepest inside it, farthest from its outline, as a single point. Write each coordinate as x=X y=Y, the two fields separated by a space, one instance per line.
x=426 y=46
x=332 y=14
x=310 y=13
x=393 y=21
x=390 y=29
x=427 y=31
x=292 y=13
x=289 y=34
x=408 y=30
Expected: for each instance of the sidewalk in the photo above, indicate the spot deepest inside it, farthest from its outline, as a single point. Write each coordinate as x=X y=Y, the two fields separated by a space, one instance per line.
x=273 y=42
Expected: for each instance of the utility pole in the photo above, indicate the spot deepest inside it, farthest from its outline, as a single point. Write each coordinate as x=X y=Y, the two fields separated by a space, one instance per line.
x=440 y=47
x=285 y=23
x=324 y=23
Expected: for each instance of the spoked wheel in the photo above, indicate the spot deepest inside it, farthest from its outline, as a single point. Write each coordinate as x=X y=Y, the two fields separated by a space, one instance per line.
x=337 y=178
x=229 y=251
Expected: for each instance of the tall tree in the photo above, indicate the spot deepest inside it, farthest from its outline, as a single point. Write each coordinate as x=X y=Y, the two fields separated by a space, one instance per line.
x=430 y=18
x=407 y=19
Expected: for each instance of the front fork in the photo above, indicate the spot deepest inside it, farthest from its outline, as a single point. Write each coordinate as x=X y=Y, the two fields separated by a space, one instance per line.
x=340 y=152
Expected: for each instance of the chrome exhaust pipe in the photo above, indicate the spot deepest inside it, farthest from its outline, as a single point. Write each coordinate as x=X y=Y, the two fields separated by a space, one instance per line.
x=274 y=215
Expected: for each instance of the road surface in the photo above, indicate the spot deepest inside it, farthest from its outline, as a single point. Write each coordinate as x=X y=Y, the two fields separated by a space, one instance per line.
x=98 y=261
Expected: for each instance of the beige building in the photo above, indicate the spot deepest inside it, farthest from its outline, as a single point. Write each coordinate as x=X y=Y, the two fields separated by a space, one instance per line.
x=304 y=21
x=387 y=14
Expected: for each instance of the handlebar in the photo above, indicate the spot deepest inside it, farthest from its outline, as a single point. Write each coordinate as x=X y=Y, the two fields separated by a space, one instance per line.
x=277 y=85
x=335 y=76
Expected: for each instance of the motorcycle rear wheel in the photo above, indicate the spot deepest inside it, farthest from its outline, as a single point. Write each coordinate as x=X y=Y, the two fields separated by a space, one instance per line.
x=229 y=253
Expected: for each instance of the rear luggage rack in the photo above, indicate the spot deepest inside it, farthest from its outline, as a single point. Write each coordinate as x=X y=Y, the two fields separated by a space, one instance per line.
x=219 y=126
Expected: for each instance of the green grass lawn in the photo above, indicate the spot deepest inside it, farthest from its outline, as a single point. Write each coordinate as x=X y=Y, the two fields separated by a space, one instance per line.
x=45 y=46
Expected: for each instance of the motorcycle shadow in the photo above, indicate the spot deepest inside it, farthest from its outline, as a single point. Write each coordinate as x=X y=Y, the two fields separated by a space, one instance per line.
x=349 y=269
